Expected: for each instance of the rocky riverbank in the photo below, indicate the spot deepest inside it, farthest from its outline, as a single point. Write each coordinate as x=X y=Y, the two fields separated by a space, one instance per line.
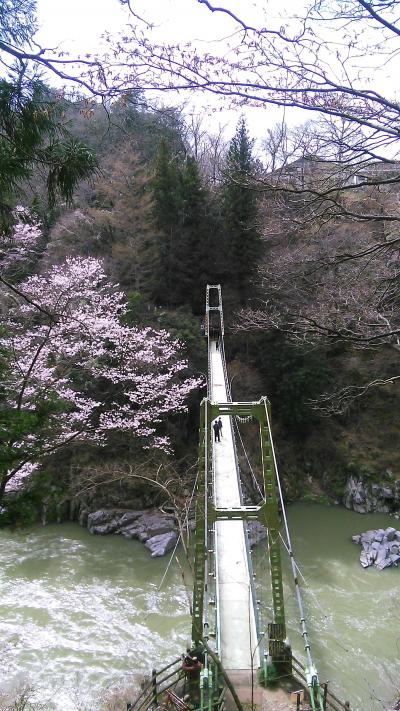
x=365 y=497
x=155 y=528
x=380 y=547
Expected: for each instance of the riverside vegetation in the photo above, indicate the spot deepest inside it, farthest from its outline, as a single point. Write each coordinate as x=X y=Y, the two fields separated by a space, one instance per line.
x=113 y=282
x=112 y=224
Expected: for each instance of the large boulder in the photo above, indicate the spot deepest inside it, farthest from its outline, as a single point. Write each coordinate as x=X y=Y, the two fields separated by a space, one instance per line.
x=161 y=544
x=129 y=517
x=390 y=533
x=150 y=524
x=368 y=537
x=380 y=547
x=365 y=559
x=355 y=495
x=104 y=521
x=104 y=515
x=155 y=523
x=103 y=529
x=364 y=497
x=256 y=532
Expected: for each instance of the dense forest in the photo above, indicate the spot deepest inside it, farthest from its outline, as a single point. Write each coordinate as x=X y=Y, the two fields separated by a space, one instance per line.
x=103 y=284
x=114 y=217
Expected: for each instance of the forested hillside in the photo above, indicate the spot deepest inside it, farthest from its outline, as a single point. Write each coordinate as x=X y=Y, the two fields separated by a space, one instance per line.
x=104 y=270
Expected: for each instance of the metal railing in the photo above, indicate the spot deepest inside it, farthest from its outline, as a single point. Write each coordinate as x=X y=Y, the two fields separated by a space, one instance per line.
x=260 y=645
x=330 y=701
x=159 y=683
x=155 y=692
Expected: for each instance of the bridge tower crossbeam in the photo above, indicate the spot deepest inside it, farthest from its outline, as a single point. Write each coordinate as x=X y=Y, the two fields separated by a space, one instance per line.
x=266 y=512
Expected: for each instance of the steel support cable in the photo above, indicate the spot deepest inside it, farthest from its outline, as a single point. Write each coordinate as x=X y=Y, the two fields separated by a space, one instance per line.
x=207 y=435
x=216 y=568
x=248 y=460
x=312 y=678
x=229 y=395
x=175 y=547
x=316 y=601
x=209 y=369
x=296 y=564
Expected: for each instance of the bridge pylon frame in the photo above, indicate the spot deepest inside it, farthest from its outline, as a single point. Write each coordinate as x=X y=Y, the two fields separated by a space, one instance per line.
x=266 y=512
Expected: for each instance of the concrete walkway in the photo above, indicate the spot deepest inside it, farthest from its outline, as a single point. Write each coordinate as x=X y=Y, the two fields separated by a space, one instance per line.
x=237 y=627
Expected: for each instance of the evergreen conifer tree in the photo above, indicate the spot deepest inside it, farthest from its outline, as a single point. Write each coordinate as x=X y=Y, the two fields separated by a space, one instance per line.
x=167 y=197
x=197 y=237
x=187 y=234
x=34 y=137
x=239 y=207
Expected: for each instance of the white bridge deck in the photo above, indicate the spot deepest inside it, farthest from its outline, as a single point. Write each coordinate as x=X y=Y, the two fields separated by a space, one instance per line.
x=237 y=628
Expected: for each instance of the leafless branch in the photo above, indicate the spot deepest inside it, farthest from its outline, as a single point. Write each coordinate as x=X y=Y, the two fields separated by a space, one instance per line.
x=340 y=401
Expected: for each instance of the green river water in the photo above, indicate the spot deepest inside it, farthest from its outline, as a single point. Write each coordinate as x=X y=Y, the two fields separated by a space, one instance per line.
x=81 y=613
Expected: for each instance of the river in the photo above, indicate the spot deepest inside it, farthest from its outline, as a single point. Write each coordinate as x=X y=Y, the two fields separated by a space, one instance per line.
x=80 y=613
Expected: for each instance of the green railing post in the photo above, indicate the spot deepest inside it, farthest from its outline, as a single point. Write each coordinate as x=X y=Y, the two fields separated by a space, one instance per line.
x=325 y=686
x=154 y=685
x=200 y=549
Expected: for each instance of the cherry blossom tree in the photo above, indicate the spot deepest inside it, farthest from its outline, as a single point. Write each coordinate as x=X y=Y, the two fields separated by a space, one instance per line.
x=76 y=372
x=19 y=245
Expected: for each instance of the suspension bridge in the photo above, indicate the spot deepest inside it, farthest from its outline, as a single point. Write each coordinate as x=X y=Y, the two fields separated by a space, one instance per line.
x=235 y=653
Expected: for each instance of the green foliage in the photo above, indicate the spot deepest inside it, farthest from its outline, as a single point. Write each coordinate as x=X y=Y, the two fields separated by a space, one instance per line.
x=132 y=118
x=167 y=207
x=293 y=378
x=240 y=208
x=70 y=161
x=26 y=507
x=136 y=307
x=33 y=137
x=17 y=21
x=311 y=498
x=187 y=240
x=268 y=675
x=185 y=327
x=198 y=263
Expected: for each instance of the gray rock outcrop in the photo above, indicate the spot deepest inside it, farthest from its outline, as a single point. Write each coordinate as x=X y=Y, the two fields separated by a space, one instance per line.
x=366 y=497
x=153 y=527
x=256 y=532
x=161 y=544
x=380 y=547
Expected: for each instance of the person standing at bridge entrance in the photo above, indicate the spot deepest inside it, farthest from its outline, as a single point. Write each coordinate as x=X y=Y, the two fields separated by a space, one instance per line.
x=216 y=431
x=220 y=426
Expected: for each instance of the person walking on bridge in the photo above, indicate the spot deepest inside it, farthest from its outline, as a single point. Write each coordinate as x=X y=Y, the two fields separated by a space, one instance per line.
x=216 y=431
x=220 y=426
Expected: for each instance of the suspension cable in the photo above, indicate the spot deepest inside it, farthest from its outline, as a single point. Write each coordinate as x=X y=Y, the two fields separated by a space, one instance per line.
x=312 y=679
x=247 y=458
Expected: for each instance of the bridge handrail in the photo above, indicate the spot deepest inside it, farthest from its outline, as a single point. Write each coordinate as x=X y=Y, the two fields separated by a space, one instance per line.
x=154 y=683
x=246 y=538
x=216 y=573
x=149 y=695
x=331 y=701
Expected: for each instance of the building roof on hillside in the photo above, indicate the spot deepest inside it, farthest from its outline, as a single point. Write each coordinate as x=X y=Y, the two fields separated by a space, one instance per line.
x=308 y=166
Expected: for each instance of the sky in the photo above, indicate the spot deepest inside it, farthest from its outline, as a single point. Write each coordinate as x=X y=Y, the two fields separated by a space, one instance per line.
x=77 y=25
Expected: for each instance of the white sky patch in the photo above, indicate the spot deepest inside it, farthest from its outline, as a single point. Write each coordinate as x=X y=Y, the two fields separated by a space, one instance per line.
x=76 y=27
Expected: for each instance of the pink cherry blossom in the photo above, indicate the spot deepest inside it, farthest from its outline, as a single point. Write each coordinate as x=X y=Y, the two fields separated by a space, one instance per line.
x=93 y=373
x=20 y=244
